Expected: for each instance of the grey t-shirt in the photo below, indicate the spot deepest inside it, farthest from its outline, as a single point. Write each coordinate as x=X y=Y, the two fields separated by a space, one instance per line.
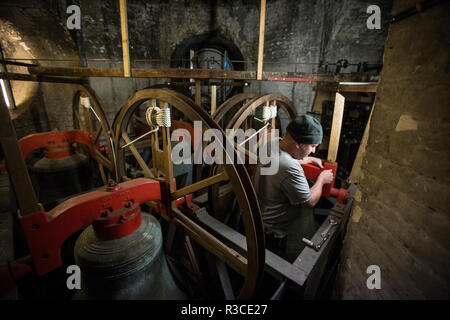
x=280 y=195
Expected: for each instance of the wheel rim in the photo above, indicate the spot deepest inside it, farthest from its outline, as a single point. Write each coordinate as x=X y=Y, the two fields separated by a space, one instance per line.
x=237 y=174
x=87 y=122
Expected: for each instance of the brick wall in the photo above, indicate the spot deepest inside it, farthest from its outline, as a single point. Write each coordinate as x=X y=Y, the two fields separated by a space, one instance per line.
x=401 y=220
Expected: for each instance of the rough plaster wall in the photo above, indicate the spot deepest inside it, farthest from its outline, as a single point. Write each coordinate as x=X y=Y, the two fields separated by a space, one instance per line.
x=32 y=30
x=401 y=220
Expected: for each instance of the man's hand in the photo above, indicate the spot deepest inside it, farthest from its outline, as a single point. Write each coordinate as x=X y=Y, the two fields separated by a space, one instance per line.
x=312 y=160
x=326 y=176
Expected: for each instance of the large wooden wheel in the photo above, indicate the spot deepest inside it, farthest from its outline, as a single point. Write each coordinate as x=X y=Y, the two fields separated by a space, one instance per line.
x=94 y=120
x=268 y=99
x=250 y=267
x=241 y=113
x=225 y=110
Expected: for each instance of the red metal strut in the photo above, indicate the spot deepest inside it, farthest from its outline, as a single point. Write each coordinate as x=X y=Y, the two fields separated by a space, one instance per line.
x=46 y=231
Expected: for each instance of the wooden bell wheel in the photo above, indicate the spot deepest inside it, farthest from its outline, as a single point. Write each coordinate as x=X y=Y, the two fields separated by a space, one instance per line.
x=241 y=109
x=250 y=267
x=89 y=115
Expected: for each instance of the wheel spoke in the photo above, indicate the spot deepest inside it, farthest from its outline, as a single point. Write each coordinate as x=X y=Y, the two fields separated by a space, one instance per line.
x=251 y=267
x=147 y=172
x=200 y=185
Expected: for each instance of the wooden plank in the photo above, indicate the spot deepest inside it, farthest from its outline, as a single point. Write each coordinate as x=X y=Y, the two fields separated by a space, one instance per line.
x=262 y=22
x=336 y=125
x=200 y=185
x=124 y=29
x=274 y=264
x=38 y=78
x=206 y=83
x=372 y=87
x=7 y=85
x=17 y=170
x=213 y=99
x=138 y=157
x=103 y=160
x=358 y=87
x=198 y=92
x=191 y=73
x=211 y=243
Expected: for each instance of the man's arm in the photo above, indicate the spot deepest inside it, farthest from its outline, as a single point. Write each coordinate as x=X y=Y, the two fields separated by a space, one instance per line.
x=312 y=160
x=325 y=177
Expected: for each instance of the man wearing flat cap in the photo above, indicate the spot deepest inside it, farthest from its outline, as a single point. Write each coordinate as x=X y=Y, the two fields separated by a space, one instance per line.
x=280 y=195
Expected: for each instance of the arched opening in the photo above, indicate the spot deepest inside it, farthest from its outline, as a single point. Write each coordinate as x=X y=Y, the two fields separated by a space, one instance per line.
x=208 y=51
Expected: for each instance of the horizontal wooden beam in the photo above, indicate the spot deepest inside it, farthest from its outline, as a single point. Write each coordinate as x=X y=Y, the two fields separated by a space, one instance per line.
x=348 y=88
x=358 y=87
x=38 y=78
x=206 y=83
x=193 y=74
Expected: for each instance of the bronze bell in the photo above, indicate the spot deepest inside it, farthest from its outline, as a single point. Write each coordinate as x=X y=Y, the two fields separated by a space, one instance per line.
x=130 y=267
x=58 y=178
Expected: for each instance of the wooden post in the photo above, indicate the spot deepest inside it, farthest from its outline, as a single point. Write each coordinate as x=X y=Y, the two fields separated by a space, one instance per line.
x=198 y=92
x=124 y=28
x=17 y=170
x=213 y=99
x=336 y=125
x=6 y=84
x=262 y=22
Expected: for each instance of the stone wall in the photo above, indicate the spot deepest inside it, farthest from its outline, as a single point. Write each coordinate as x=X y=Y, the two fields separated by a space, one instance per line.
x=32 y=32
x=298 y=35
x=400 y=221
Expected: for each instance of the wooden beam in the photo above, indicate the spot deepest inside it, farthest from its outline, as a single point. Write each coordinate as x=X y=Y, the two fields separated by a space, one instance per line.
x=207 y=83
x=372 y=87
x=6 y=85
x=336 y=125
x=192 y=73
x=262 y=22
x=198 y=92
x=17 y=170
x=211 y=243
x=125 y=47
x=199 y=185
x=358 y=87
x=213 y=99
x=38 y=78
x=138 y=157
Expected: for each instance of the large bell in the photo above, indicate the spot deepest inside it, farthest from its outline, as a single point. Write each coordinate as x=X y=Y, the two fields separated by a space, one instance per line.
x=61 y=177
x=131 y=267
